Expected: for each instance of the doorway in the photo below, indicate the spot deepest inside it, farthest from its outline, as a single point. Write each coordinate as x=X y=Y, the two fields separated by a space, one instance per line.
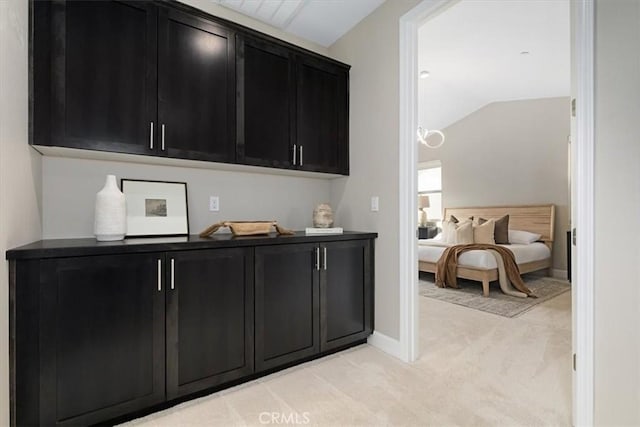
x=582 y=202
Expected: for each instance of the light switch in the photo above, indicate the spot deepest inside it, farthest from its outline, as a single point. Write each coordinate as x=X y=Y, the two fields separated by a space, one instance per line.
x=214 y=204
x=375 y=204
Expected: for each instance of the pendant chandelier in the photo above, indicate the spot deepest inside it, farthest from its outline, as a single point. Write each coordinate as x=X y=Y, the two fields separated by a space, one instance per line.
x=424 y=134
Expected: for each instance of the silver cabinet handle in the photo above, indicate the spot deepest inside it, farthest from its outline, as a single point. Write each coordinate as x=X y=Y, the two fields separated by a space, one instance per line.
x=173 y=275
x=151 y=137
x=325 y=257
x=160 y=275
x=294 y=154
x=301 y=155
x=318 y=259
x=162 y=141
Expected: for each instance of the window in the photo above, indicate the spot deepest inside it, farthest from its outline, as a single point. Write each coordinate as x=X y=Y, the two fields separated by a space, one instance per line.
x=430 y=184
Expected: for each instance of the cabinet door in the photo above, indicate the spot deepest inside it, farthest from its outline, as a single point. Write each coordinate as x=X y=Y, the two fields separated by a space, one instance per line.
x=287 y=304
x=209 y=318
x=196 y=88
x=346 y=298
x=101 y=337
x=265 y=104
x=97 y=61
x=322 y=116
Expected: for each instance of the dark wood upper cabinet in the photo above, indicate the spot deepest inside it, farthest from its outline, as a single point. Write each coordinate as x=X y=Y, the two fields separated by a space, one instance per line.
x=266 y=101
x=101 y=337
x=162 y=79
x=196 y=88
x=94 y=82
x=292 y=109
x=209 y=318
x=322 y=116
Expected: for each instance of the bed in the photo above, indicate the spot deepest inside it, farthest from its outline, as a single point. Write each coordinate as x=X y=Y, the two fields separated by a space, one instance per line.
x=480 y=265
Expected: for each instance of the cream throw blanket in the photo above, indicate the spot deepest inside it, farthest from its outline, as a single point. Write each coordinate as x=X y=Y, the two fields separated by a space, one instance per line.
x=505 y=284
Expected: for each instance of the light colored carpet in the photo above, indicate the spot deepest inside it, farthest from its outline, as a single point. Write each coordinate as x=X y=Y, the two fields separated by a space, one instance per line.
x=475 y=369
x=470 y=294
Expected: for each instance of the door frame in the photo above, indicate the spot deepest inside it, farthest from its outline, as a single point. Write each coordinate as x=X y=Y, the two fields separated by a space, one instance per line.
x=583 y=204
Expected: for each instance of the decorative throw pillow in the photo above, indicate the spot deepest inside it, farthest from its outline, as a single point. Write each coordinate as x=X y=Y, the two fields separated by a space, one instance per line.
x=464 y=233
x=483 y=233
x=501 y=229
x=446 y=230
x=449 y=230
x=455 y=220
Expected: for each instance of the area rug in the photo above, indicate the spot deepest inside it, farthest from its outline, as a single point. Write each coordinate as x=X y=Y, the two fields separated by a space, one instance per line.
x=470 y=294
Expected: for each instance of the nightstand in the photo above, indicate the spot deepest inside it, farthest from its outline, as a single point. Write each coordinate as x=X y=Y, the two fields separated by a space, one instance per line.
x=428 y=232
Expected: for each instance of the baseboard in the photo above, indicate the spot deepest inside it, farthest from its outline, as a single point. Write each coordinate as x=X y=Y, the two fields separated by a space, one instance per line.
x=385 y=343
x=559 y=274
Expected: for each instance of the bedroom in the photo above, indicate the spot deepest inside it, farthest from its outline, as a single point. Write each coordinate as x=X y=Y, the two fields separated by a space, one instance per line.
x=495 y=80
x=34 y=190
x=507 y=123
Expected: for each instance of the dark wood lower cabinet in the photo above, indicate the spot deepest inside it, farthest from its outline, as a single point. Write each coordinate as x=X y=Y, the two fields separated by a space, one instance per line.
x=287 y=304
x=345 y=293
x=103 y=332
x=329 y=288
x=101 y=337
x=209 y=318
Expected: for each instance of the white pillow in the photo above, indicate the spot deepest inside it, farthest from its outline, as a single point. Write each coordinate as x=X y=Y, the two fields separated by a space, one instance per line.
x=448 y=232
x=523 y=237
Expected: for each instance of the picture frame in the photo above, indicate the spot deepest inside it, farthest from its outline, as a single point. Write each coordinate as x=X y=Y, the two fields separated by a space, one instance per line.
x=155 y=208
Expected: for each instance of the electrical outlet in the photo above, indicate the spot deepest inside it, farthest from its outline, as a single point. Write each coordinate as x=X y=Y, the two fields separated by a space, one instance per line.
x=214 y=204
x=375 y=204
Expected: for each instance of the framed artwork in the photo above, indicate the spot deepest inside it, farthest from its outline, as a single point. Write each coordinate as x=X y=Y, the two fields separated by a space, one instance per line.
x=156 y=208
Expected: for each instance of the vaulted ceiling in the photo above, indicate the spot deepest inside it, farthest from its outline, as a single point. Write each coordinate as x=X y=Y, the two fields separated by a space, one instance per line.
x=482 y=51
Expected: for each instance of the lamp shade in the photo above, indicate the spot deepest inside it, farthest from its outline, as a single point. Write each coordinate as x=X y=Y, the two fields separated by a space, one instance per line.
x=423 y=202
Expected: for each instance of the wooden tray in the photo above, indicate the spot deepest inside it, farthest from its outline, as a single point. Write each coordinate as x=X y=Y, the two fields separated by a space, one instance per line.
x=246 y=228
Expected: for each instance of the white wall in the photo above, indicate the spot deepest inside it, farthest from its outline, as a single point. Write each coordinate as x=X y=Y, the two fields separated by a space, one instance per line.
x=372 y=49
x=20 y=169
x=510 y=153
x=617 y=200
x=70 y=185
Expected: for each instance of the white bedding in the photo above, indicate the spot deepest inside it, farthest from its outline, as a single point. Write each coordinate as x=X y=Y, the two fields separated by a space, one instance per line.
x=430 y=250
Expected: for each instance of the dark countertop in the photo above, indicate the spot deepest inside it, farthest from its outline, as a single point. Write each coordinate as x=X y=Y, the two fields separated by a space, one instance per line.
x=56 y=248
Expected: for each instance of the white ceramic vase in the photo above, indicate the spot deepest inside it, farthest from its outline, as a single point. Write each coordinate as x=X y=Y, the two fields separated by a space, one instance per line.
x=110 y=212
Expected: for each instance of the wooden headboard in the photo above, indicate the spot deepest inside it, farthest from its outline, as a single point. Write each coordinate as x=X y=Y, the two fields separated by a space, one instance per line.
x=537 y=219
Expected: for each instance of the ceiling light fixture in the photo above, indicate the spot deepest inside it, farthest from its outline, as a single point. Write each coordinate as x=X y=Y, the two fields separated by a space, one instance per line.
x=424 y=74
x=424 y=134
x=524 y=52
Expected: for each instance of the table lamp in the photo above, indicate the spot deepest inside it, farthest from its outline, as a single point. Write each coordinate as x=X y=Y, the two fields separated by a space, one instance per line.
x=423 y=203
